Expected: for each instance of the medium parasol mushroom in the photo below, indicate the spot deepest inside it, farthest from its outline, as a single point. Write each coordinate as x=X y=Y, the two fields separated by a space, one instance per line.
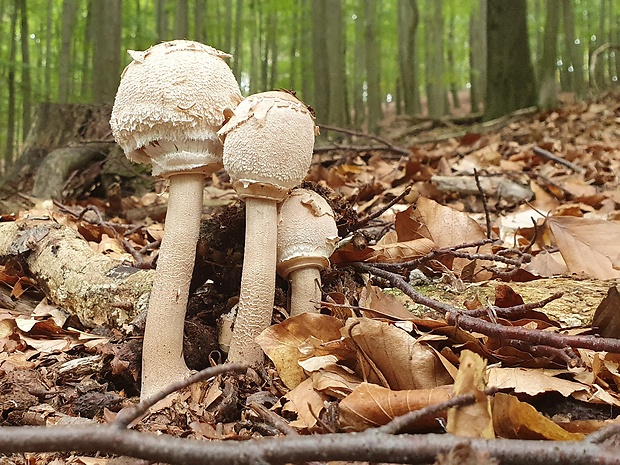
x=168 y=109
x=307 y=236
x=267 y=150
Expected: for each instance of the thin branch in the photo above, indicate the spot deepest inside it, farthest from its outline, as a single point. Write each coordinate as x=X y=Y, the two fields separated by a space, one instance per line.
x=376 y=214
x=550 y=156
x=379 y=139
x=485 y=205
x=129 y=414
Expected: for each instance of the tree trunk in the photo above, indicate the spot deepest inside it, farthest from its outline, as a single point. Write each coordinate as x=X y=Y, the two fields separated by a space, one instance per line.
x=181 y=19
x=86 y=65
x=48 y=52
x=373 y=65
x=254 y=48
x=408 y=20
x=305 y=51
x=26 y=84
x=69 y=11
x=161 y=19
x=574 y=50
x=294 y=50
x=548 y=95
x=106 y=50
x=359 y=71
x=9 y=156
x=454 y=91
x=335 y=50
x=271 y=49
x=238 y=50
x=511 y=83
x=478 y=55
x=433 y=34
x=228 y=23
x=319 y=61
x=200 y=8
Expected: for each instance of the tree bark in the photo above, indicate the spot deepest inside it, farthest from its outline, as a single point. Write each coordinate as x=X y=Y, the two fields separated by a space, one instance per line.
x=408 y=20
x=336 y=53
x=106 y=50
x=434 y=48
x=574 y=50
x=319 y=61
x=161 y=19
x=305 y=52
x=101 y=291
x=181 y=19
x=238 y=50
x=478 y=56
x=548 y=94
x=26 y=84
x=511 y=83
x=69 y=11
x=359 y=71
x=373 y=65
x=9 y=156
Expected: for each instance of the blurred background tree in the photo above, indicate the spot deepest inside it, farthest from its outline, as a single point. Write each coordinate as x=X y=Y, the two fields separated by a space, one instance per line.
x=359 y=63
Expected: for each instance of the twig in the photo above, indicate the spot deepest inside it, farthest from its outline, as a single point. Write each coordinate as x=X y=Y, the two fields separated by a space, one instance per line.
x=605 y=433
x=369 y=447
x=129 y=414
x=515 y=311
x=456 y=317
x=376 y=214
x=379 y=139
x=549 y=156
x=360 y=148
x=273 y=419
x=568 y=355
x=403 y=422
x=485 y=205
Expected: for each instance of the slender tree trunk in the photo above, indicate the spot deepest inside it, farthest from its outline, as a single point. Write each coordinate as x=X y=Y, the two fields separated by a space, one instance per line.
x=271 y=49
x=200 y=8
x=319 y=61
x=433 y=33
x=181 y=19
x=336 y=52
x=228 y=23
x=238 y=50
x=511 y=83
x=408 y=21
x=48 y=52
x=601 y=61
x=478 y=55
x=574 y=50
x=86 y=65
x=305 y=52
x=254 y=47
x=373 y=65
x=548 y=94
x=106 y=50
x=161 y=18
x=26 y=84
x=69 y=10
x=294 y=60
x=359 y=71
x=10 y=82
x=454 y=91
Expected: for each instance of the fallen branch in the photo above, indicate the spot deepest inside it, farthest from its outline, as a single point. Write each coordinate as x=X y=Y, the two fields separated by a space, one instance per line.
x=549 y=156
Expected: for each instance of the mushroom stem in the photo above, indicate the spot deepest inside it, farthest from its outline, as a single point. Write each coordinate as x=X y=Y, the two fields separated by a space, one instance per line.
x=305 y=290
x=162 y=359
x=258 y=280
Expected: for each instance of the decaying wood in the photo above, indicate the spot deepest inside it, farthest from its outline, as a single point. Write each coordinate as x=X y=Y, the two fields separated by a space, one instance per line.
x=495 y=186
x=98 y=289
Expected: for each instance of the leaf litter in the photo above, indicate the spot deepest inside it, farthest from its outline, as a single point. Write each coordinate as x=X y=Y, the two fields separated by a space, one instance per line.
x=373 y=354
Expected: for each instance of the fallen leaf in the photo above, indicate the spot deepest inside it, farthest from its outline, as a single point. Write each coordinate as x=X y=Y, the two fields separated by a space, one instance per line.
x=532 y=381
x=307 y=403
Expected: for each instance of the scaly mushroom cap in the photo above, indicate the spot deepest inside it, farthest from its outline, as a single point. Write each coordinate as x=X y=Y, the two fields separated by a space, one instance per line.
x=169 y=106
x=307 y=232
x=268 y=144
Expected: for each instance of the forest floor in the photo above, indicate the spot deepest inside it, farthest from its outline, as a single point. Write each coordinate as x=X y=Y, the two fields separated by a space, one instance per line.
x=416 y=289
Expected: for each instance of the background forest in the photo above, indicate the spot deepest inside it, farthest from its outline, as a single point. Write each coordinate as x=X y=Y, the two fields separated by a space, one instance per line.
x=357 y=62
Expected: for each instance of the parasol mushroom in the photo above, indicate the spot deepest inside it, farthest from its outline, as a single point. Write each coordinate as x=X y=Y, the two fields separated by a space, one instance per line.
x=168 y=109
x=268 y=146
x=307 y=236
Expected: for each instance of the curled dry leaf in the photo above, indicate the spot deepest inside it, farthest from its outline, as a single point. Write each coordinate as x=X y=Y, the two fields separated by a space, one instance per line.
x=471 y=420
x=370 y=405
x=392 y=357
x=588 y=246
x=295 y=339
x=307 y=403
x=513 y=419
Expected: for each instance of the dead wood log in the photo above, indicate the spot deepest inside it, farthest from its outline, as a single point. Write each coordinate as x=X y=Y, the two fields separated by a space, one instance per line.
x=99 y=290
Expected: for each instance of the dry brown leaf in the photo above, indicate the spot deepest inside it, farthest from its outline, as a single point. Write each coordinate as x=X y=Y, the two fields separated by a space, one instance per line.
x=533 y=381
x=297 y=338
x=335 y=380
x=607 y=316
x=373 y=298
x=306 y=403
x=588 y=246
x=473 y=420
x=370 y=405
x=513 y=419
x=547 y=264
x=393 y=358
x=385 y=253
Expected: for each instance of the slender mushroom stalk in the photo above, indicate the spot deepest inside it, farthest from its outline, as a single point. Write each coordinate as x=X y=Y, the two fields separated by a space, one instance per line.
x=307 y=236
x=267 y=150
x=168 y=109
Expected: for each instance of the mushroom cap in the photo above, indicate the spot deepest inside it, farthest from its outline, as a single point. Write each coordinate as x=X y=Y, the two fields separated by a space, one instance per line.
x=307 y=232
x=170 y=103
x=268 y=144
